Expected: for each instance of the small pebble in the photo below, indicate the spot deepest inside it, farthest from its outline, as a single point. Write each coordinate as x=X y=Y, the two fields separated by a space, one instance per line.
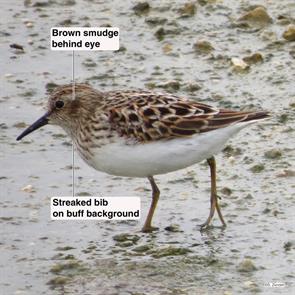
x=50 y=86
x=287 y=173
x=226 y=191
x=141 y=8
x=269 y=36
x=258 y=15
x=232 y=160
x=188 y=9
x=203 y=46
x=273 y=154
x=257 y=168
x=142 y=248
x=20 y=125
x=167 y=48
x=249 y=284
x=289 y=245
x=170 y=85
x=239 y=65
x=156 y=20
x=192 y=87
x=246 y=265
x=160 y=33
x=28 y=189
x=284 y=20
x=125 y=244
x=16 y=46
x=29 y=25
x=42 y=4
x=173 y=228
x=289 y=34
x=58 y=281
x=253 y=59
x=252 y=286
x=126 y=237
x=169 y=251
x=89 y=63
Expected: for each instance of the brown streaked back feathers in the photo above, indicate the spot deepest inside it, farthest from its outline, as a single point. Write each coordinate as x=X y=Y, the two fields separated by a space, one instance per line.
x=147 y=116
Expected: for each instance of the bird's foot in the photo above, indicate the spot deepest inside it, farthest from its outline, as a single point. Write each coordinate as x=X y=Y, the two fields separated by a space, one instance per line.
x=207 y=226
x=149 y=229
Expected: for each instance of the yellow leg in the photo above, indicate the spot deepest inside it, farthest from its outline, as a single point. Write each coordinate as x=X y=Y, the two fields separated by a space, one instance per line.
x=214 y=198
x=155 y=194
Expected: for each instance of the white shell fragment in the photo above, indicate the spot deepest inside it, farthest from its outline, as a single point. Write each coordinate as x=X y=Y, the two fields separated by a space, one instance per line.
x=28 y=189
x=239 y=64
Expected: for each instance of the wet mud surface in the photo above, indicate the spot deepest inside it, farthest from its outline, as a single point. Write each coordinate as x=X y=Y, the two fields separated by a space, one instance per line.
x=218 y=52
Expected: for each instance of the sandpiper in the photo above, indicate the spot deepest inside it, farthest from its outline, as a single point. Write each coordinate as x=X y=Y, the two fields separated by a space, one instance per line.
x=142 y=133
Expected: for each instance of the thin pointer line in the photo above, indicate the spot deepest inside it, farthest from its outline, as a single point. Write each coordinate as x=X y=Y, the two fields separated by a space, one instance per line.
x=73 y=147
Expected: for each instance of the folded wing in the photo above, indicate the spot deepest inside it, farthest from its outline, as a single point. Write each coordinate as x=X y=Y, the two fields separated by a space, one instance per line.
x=147 y=116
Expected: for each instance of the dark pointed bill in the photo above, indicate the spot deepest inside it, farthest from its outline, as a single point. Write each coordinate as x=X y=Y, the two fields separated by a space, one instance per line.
x=36 y=125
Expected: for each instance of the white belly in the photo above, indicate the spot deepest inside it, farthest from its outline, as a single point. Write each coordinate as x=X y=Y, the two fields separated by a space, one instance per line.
x=142 y=160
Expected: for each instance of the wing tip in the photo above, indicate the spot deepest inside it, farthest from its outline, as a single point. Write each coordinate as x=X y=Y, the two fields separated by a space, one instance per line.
x=257 y=116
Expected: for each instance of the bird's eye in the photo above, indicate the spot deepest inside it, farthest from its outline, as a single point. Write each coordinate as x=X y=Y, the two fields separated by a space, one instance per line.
x=59 y=104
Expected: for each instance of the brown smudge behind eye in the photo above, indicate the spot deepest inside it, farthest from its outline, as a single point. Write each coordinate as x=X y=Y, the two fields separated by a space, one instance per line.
x=75 y=105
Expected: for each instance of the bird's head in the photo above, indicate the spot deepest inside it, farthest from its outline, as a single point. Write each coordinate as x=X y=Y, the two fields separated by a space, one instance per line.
x=65 y=106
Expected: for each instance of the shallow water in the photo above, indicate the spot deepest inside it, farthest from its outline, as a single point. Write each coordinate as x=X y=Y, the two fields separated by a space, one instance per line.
x=40 y=256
